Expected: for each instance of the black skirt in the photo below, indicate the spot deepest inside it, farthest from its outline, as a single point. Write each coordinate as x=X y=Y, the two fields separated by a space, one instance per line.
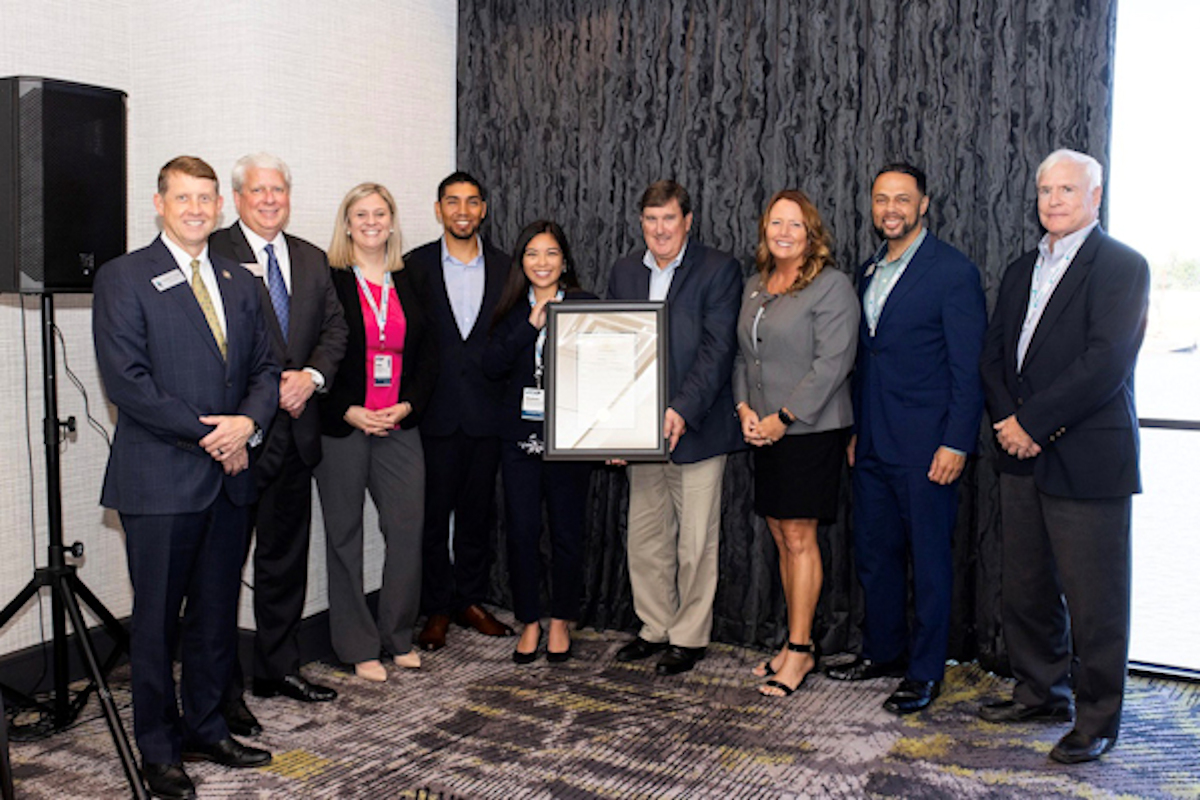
x=799 y=477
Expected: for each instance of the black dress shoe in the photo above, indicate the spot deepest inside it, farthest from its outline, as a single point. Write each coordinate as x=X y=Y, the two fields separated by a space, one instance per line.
x=864 y=669
x=239 y=719
x=678 y=659
x=1076 y=747
x=296 y=687
x=228 y=752
x=639 y=648
x=912 y=696
x=169 y=781
x=1012 y=711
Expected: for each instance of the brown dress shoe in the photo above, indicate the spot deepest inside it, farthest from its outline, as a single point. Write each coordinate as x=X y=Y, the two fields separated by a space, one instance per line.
x=433 y=635
x=479 y=618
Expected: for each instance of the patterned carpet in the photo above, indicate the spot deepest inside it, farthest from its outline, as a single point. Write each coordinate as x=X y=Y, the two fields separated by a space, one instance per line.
x=471 y=724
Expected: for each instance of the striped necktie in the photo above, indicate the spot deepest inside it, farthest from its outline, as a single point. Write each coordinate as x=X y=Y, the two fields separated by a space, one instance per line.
x=206 y=305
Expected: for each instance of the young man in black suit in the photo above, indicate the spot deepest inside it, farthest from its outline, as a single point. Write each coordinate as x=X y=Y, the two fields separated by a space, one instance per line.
x=461 y=278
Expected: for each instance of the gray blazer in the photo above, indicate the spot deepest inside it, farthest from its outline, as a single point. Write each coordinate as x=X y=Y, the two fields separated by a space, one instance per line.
x=803 y=355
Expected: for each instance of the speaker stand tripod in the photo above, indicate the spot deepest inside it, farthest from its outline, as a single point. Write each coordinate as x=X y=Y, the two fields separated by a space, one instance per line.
x=66 y=590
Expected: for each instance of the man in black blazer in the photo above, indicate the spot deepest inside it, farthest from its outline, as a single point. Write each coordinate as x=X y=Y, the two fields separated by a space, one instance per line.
x=308 y=337
x=1058 y=372
x=183 y=352
x=675 y=508
x=461 y=278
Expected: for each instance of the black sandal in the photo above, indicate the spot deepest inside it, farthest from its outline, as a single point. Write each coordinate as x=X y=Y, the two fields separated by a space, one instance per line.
x=813 y=649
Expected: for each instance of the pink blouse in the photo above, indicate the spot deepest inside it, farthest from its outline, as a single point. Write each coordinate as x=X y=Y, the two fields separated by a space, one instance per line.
x=379 y=397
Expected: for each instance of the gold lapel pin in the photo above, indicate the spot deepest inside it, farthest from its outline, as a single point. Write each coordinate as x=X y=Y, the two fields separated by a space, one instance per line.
x=225 y=274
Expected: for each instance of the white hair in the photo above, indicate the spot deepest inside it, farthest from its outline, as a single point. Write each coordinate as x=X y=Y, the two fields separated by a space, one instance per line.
x=260 y=161
x=1095 y=172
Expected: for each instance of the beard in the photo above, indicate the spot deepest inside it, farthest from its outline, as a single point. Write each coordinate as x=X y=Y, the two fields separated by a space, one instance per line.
x=908 y=227
x=462 y=237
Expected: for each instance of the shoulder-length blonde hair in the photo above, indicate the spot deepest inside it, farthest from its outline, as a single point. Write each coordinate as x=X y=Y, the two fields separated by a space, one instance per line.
x=819 y=253
x=341 y=249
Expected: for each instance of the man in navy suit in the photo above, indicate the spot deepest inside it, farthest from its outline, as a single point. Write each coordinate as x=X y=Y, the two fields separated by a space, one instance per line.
x=917 y=404
x=184 y=356
x=1058 y=371
x=308 y=337
x=461 y=278
x=675 y=508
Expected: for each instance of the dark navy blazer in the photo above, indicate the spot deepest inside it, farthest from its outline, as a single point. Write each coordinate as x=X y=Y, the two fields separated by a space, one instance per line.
x=1074 y=393
x=510 y=358
x=162 y=370
x=916 y=382
x=702 y=312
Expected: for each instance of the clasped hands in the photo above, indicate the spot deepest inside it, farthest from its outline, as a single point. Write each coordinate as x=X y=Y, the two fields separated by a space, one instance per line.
x=226 y=442
x=1013 y=439
x=759 y=432
x=296 y=386
x=378 y=422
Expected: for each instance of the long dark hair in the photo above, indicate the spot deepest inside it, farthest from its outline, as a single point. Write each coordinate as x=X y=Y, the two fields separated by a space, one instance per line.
x=516 y=288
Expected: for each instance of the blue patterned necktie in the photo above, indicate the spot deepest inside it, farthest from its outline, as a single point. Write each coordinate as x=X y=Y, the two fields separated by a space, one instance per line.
x=278 y=290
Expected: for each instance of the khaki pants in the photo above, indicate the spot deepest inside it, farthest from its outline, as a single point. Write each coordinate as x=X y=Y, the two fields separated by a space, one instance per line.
x=674 y=530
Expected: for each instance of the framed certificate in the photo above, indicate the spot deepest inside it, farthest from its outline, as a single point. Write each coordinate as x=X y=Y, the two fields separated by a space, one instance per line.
x=606 y=380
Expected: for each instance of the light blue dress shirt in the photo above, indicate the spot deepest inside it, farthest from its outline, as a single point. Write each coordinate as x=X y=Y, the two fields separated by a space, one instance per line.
x=464 y=286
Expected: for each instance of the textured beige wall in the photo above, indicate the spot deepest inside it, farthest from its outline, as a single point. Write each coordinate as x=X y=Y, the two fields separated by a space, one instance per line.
x=343 y=93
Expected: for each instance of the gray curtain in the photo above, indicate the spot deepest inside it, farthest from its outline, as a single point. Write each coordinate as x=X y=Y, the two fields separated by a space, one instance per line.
x=568 y=108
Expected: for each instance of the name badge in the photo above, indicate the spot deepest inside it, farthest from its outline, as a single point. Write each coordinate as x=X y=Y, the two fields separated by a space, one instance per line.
x=382 y=374
x=533 y=404
x=167 y=280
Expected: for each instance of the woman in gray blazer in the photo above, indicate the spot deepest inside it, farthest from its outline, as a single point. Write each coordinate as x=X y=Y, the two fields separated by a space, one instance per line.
x=797 y=334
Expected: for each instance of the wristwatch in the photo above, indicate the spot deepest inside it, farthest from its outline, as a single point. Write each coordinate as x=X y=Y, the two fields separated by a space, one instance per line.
x=785 y=416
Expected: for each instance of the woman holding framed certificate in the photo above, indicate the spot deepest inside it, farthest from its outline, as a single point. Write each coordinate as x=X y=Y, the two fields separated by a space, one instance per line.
x=369 y=438
x=542 y=273
x=797 y=335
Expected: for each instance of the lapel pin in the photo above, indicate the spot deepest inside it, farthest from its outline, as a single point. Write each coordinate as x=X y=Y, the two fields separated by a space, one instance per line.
x=225 y=274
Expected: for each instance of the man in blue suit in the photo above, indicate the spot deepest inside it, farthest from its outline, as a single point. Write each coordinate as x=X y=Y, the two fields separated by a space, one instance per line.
x=184 y=355
x=1058 y=370
x=675 y=508
x=917 y=404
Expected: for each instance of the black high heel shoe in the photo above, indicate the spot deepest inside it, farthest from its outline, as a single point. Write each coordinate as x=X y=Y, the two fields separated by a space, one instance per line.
x=813 y=648
x=528 y=658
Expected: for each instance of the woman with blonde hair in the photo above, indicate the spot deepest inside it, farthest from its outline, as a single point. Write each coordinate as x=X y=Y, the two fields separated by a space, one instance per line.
x=797 y=335
x=369 y=437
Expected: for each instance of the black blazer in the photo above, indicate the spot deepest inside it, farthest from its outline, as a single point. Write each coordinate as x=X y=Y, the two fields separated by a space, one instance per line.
x=418 y=372
x=702 y=312
x=464 y=398
x=316 y=332
x=1074 y=393
x=509 y=357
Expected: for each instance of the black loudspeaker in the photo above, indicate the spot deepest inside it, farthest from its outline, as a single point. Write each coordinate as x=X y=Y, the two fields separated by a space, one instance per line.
x=62 y=183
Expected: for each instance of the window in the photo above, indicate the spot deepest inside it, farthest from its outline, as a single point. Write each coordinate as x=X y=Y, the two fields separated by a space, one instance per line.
x=1154 y=167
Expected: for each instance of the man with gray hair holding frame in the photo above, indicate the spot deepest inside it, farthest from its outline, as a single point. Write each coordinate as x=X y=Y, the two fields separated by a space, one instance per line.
x=1057 y=369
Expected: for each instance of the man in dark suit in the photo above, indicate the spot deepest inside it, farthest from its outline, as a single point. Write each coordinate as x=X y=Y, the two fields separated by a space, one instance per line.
x=675 y=508
x=1058 y=371
x=461 y=278
x=917 y=404
x=308 y=337
x=183 y=352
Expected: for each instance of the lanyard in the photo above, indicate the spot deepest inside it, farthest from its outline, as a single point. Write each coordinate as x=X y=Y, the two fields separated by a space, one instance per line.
x=1041 y=289
x=538 y=365
x=379 y=311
